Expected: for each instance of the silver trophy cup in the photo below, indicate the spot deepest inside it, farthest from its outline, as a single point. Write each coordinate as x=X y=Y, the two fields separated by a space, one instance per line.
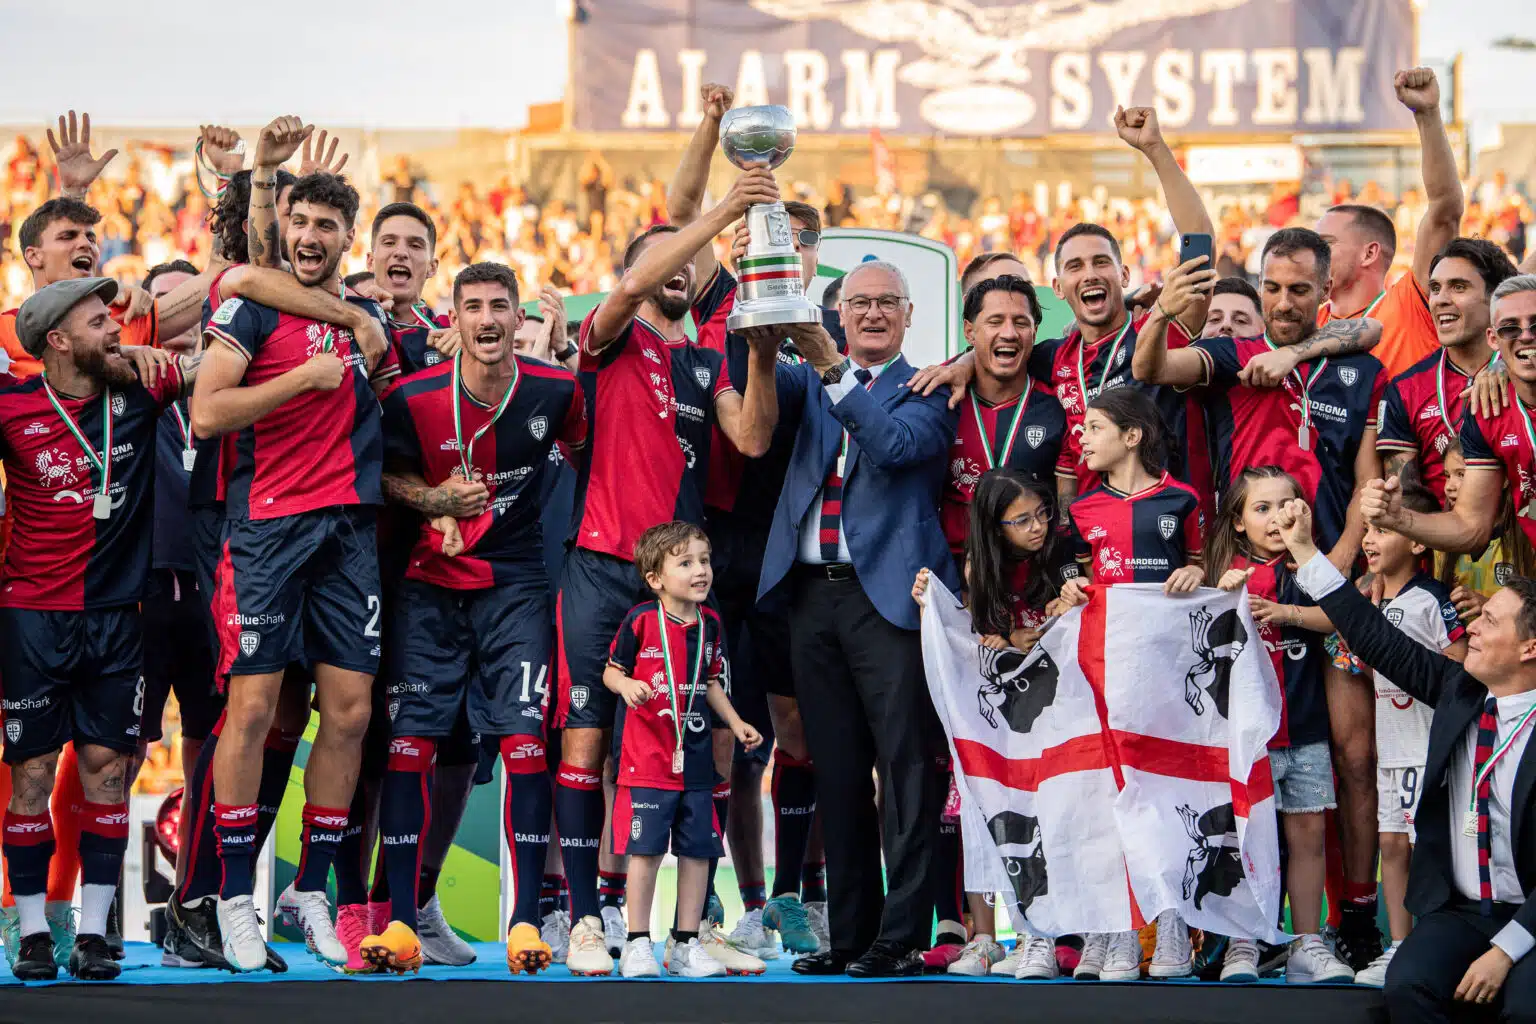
x=768 y=276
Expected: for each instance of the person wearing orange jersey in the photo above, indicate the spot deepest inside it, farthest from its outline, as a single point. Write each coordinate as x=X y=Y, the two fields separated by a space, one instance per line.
x=1363 y=241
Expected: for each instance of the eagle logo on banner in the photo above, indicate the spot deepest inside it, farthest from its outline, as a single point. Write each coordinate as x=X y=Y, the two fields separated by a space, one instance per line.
x=1091 y=789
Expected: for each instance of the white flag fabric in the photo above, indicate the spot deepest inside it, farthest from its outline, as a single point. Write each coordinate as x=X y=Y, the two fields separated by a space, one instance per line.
x=1119 y=769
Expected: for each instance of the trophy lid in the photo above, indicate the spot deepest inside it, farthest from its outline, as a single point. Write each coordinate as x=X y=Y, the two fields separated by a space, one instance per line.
x=751 y=135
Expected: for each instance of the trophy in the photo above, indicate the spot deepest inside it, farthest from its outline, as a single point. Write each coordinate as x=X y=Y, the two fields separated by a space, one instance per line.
x=769 y=274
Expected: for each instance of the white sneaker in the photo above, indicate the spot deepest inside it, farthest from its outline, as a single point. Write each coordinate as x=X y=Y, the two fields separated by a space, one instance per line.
x=817 y=912
x=735 y=961
x=1174 y=956
x=1375 y=975
x=1005 y=967
x=244 y=947
x=440 y=944
x=752 y=938
x=587 y=955
x=1312 y=961
x=691 y=960
x=977 y=958
x=1091 y=961
x=310 y=912
x=1039 y=961
x=615 y=930
x=638 y=960
x=1122 y=959
x=556 y=933
x=1241 y=962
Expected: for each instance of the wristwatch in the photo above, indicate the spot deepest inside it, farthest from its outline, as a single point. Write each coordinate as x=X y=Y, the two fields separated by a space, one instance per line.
x=569 y=351
x=835 y=374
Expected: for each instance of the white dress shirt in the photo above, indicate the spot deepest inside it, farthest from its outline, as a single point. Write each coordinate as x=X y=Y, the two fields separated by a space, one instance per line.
x=1319 y=578
x=810 y=526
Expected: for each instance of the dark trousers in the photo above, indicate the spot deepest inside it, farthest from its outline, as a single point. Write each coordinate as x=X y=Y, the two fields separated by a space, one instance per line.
x=865 y=706
x=1422 y=980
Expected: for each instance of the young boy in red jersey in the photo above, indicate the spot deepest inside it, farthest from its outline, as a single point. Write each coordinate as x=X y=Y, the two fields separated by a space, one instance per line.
x=666 y=769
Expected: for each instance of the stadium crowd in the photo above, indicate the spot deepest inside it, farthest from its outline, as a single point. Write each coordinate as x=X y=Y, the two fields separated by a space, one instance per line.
x=332 y=492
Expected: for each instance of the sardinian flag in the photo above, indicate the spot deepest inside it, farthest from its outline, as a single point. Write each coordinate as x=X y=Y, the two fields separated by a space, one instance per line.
x=1120 y=769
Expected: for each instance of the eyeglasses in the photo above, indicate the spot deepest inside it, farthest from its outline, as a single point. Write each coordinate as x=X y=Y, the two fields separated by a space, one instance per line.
x=808 y=239
x=886 y=303
x=1043 y=517
x=1513 y=331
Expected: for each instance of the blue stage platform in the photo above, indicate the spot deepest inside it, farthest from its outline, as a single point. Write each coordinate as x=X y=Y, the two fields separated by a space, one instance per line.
x=309 y=992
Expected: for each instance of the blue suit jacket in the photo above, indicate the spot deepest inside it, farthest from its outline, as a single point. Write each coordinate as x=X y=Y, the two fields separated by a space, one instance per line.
x=898 y=444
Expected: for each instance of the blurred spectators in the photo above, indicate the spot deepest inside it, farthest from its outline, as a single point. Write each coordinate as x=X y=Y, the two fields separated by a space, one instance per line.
x=152 y=211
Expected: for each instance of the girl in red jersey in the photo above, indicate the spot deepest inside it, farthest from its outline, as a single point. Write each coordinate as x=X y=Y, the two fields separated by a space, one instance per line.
x=1014 y=566
x=1246 y=549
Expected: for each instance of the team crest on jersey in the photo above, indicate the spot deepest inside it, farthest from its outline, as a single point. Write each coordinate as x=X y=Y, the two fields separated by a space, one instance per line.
x=433 y=357
x=13 y=730
x=119 y=403
x=394 y=710
x=538 y=427
x=1167 y=526
x=55 y=468
x=250 y=640
x=634 y=829
x=1503 y=572
x=1395 y=616
x=1348 y=374
x=579 y=696
x=1034 y=436
x=703 y=376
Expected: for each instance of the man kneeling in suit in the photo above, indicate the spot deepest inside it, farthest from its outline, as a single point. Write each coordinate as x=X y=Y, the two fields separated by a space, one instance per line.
x=1474 y=864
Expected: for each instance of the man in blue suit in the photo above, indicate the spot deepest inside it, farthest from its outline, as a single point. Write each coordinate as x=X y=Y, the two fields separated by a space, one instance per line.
x=858 y=517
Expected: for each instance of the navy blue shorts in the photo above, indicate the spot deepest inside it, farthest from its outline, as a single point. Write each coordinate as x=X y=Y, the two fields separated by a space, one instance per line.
x=596 y=593
x=300 y=588
x=71 y=676
x=483 y=653
x=644 y=820
x=178 y=656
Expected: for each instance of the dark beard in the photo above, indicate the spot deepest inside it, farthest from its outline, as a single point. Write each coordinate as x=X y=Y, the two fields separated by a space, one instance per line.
x=671 y=308
x=110 y=371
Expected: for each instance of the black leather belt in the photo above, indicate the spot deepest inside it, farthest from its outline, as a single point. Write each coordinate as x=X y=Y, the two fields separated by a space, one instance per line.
x=837 y=572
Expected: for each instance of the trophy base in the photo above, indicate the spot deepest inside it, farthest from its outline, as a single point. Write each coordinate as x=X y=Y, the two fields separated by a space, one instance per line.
x=769 y=312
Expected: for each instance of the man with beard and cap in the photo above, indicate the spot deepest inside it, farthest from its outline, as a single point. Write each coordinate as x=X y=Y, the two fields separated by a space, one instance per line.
x=1423 y=411
x=78 y=443
x=299 y=576
x=1363 y=240
x=651 y=398
x=1320 y=425
x=471 y=625
x=739 y=499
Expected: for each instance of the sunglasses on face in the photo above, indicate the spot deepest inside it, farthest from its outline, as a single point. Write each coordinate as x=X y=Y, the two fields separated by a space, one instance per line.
x=1513 y=330
x=807 y=239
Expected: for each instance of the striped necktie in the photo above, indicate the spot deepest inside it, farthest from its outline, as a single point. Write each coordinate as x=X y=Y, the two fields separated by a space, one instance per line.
x=1487 y=732
x=832 y=491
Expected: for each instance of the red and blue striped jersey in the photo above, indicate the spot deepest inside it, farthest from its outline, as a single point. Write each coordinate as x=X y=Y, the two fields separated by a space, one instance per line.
x=1137 y=538
x=1421 y=414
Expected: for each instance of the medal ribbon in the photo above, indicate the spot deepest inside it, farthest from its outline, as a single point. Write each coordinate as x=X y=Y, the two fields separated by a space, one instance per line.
x=1109 y=361
x=181 y=421
x=423 y=315
x=467 y=451
x=103 y=462
x=1304 y=383
x=1013 y=430
x=1503 y=748
x=678 y=721
x=1445 y=415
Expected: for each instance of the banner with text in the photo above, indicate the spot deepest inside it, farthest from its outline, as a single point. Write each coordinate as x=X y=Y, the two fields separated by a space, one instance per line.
x=996 y=67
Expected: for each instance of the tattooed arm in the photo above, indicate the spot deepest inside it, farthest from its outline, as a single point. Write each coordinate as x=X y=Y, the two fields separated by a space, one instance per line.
x=181 y=308
x=453 y=497
x=1338 y=338
x=1396 y=462
x=278 y=141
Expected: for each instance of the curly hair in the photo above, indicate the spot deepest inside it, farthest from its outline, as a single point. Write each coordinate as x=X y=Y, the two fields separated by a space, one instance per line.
x=227 y=219
x=331 y=190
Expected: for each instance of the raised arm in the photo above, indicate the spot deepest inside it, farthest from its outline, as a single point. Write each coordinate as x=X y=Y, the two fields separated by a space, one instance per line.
x=1418 y=90
x=278 y=141
x=916 y=430
x=1152 y=362
x=670 y=253
x=748 y=419
x=685 y=195
x=1139 y=129
x=1419 y=671
x=72 y=155
x=1464 y=529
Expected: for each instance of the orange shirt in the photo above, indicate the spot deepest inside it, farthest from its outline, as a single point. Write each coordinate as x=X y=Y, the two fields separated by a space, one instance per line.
x=1407 y=328
x=143 y=331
